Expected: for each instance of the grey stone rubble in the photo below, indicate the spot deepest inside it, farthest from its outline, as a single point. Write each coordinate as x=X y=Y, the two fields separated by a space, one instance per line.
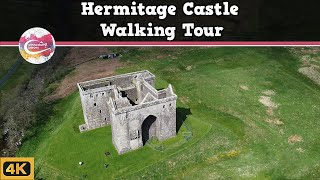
x=132 y=106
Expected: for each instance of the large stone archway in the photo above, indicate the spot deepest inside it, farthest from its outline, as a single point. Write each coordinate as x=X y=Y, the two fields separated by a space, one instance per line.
x=149 y=128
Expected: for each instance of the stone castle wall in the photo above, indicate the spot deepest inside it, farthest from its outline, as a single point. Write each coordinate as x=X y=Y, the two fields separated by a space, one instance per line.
x=125 y=124
x=132 y=106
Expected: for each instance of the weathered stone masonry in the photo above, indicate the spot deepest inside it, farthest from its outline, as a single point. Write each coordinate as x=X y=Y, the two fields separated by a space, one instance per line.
x=132 y=106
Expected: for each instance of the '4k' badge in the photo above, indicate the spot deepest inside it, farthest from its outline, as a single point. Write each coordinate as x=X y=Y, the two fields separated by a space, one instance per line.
x=17 y=168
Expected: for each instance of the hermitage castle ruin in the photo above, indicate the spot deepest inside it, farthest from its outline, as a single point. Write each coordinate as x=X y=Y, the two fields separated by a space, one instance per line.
x=132 y=106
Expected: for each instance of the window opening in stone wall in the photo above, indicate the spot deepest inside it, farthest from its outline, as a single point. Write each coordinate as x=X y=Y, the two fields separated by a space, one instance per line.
x=134 y=134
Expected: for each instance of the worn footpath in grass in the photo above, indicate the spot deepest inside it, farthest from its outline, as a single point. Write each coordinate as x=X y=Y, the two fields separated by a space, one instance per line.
x=234 y=99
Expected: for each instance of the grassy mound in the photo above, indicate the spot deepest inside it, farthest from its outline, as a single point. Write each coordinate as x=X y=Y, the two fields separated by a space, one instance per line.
x=248 y=113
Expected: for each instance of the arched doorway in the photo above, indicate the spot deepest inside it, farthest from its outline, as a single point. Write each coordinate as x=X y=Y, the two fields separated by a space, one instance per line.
x=148 y=128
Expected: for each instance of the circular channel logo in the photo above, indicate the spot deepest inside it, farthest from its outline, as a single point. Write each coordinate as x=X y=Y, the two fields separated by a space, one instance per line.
x=36 y=45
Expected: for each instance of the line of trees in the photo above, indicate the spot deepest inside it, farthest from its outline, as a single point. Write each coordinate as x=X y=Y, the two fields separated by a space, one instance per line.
x=22 y=110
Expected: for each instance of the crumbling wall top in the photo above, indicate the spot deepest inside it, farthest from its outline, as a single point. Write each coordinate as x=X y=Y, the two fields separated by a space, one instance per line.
x=104 y=83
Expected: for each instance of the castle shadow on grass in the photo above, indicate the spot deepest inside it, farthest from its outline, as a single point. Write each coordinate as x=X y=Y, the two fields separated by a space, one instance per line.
x=181 y=116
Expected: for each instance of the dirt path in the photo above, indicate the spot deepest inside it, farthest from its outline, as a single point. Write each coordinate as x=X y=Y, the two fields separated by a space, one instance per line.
x=95 y=69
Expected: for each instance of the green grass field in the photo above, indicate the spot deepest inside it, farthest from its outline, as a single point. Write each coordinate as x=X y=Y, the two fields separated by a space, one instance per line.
x=8 y=58
x=252 y=115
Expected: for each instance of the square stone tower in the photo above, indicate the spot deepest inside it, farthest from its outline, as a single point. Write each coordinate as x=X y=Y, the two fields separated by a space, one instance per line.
x=132 y=106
